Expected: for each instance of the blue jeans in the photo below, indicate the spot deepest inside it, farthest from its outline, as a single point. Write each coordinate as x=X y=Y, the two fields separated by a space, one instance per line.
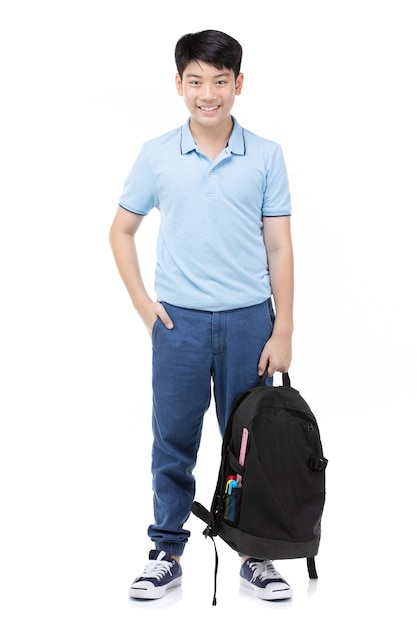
x=223 y=347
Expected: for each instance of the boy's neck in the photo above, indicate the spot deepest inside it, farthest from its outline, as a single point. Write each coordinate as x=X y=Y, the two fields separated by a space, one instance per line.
x=212 y=135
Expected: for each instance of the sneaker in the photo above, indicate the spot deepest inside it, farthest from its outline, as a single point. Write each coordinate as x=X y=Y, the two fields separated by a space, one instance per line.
x=264 y=580
x=161 y=573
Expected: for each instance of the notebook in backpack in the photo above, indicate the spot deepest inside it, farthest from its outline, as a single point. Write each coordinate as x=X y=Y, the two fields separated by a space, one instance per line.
x=270 y=491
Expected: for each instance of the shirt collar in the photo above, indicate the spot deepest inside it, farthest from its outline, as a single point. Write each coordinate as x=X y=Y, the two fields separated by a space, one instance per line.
x=236 y=143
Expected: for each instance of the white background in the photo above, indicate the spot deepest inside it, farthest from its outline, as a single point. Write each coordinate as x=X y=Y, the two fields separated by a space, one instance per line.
x=84 y=83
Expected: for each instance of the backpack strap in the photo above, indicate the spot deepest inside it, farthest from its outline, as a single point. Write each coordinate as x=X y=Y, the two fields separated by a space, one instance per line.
x=311 y=566
x=285 y=378
x=216 y=566
x=317 y=464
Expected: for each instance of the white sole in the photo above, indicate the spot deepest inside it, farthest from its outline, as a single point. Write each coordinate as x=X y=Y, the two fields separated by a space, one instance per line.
x=153 y=593
x=267 y=594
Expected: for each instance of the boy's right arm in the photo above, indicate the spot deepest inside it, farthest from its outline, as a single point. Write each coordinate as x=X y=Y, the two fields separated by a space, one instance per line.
x=122 y=241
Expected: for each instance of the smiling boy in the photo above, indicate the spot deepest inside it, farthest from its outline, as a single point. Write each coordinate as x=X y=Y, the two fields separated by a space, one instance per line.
x=224 y=285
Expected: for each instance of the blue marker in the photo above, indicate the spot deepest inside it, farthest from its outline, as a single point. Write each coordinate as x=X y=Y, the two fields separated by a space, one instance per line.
x=230 y=512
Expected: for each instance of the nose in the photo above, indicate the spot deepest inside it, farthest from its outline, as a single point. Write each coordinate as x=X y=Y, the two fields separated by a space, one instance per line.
x=208 y=92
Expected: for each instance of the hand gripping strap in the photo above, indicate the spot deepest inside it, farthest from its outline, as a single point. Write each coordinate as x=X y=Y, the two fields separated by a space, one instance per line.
x=285 y=378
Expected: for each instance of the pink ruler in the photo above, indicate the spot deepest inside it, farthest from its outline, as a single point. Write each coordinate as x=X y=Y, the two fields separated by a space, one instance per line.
x=242 y=454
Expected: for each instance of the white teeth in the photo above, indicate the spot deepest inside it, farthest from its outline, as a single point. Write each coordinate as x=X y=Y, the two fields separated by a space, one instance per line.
x=208 y=108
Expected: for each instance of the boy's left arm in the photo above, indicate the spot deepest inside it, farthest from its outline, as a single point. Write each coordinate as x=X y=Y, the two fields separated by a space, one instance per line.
x=278 y=243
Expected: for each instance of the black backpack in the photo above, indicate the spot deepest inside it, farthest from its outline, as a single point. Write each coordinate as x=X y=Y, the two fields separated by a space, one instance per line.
x=270 y=490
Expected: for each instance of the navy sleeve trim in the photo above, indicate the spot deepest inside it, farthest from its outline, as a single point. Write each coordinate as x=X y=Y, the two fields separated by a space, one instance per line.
x=130 y=210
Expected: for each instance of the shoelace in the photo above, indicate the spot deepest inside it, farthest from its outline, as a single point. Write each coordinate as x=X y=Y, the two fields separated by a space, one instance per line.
x=263 y=570
x=157 y=569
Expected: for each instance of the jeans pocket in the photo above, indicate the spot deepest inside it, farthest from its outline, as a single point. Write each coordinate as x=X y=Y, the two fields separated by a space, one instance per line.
x=270 y=313
x=155 y=327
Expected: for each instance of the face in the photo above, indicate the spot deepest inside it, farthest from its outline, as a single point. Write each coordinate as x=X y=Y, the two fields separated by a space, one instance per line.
x=209 y=93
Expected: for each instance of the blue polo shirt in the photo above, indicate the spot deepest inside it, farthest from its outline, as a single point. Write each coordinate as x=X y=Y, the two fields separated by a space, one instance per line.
x=210 y=250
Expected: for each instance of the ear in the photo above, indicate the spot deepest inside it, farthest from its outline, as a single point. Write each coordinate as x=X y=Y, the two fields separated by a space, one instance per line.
x=178 y=84
x=239 y=84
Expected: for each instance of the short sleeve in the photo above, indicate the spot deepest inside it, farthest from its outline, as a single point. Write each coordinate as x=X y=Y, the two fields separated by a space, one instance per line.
x=139 y=193
x=277 y=198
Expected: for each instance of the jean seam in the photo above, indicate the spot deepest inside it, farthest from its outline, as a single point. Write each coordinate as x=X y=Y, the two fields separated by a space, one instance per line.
x=267 y=311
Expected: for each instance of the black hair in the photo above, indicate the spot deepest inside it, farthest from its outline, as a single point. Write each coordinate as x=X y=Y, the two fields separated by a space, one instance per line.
x=209 y=46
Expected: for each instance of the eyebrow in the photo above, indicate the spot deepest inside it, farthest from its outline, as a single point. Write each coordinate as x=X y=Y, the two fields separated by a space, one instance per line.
x=201 y=76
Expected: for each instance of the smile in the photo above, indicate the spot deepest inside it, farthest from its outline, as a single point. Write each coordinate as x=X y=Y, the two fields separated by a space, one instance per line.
x=209 y=108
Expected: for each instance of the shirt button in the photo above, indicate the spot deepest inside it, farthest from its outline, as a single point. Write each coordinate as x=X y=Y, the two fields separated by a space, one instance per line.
x=211 y=172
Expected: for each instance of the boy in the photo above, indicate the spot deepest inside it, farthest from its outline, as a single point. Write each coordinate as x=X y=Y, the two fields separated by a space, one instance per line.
x=224 y=248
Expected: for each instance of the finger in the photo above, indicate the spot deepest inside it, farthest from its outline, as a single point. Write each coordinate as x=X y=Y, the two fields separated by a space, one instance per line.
x=168 y=322
x=165 y=319
x=263 y=362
